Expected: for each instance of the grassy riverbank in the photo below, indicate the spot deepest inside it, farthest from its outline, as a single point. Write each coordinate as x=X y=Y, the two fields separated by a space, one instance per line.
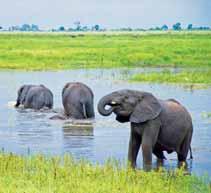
x=46 y=175
x=67 y=51
x=184 y=77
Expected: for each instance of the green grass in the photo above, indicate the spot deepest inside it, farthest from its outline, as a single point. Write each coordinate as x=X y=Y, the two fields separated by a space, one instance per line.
x=66 y=51
x=206 y=114
x=40 y=174
x=189 y=77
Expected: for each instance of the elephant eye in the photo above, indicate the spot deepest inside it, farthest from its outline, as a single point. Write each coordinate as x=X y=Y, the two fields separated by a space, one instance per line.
x=129 y=100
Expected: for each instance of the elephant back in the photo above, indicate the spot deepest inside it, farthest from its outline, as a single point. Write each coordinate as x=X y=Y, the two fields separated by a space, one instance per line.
x=39 y=97
x=77 y=100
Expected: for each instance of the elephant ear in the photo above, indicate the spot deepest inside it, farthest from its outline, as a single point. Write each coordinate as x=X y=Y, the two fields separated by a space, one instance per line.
x=23 y=91
x=147 y=109
x=20 y=90
x=19 y=97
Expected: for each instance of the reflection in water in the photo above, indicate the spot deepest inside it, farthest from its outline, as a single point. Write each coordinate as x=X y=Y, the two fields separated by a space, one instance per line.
x=31 y=136
x=70 y=129
x=78 y=138
x=21 y=129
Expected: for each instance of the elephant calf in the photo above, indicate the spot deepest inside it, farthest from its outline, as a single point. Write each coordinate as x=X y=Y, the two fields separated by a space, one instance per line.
x=34 y=97
x=157 y=125
x=78 y=101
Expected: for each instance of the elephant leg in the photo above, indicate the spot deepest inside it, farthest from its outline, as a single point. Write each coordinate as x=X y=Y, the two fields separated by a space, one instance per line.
x=58 y=117
x=185 y=147
x=134 y=146
x=90 y=111
x=150 y=135
x=147 y=155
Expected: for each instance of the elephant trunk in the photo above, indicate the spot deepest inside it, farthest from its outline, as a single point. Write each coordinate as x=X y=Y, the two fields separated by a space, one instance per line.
x=106 y=100
x=17 y=104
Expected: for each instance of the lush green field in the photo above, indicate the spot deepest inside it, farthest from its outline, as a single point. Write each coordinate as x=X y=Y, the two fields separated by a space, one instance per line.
x=190 y=77
x=66 y=51
x=48 y=175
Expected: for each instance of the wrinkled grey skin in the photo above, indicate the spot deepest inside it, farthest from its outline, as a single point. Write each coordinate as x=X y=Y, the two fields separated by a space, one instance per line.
x=156 y=125
x=34 y=97
x=78 y=101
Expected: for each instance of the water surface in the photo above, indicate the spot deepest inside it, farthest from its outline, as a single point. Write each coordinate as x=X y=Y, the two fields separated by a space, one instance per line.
x=28 y=132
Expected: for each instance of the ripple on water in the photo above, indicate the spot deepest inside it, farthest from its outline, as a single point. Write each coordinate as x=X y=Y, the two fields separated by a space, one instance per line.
x=26 y=131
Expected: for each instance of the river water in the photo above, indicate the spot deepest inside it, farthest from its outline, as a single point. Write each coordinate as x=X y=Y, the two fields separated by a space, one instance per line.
x=27 y=132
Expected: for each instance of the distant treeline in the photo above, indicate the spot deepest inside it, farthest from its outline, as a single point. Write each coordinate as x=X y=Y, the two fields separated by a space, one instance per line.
x=78 y=27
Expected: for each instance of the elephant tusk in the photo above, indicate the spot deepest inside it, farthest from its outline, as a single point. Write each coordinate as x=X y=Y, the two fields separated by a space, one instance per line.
x=113 y=103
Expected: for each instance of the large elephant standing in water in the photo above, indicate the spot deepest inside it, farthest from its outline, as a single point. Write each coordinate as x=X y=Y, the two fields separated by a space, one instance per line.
x=157 y=125
x=78 y=101
x=34 y=97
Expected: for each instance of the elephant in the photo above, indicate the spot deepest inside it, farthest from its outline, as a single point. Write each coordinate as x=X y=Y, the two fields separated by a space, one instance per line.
x=78 y=101
x=156 y=125
x=34 y=97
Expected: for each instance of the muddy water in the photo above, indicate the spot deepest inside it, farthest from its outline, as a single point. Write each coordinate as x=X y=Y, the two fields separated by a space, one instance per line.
x=29 y=132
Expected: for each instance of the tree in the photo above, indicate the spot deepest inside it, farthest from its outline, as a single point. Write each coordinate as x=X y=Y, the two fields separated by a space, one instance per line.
x=177 y=26
x=71 y=29
x=96 y=27
x=190 y=26
x=203 y=28
x=164 y=27
x=15 y=28
x=34 y=27
x=61 y=28
x=85 y=28
x=25 y=27
x=157 y=28
x=126 y=29
x=1 y=27
x=78 y=25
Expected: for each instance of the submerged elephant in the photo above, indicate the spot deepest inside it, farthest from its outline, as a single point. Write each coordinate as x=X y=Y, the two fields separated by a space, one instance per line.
x=78 y=101
x=157 y=125
x=34 y=97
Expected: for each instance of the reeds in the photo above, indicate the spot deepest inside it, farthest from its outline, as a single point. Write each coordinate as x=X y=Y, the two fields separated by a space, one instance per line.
x=40 y=174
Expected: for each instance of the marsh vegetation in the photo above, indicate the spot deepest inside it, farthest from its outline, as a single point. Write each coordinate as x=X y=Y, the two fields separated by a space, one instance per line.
x=183 y=77
x=67 y=51
x=64 y=174
x=47 y=52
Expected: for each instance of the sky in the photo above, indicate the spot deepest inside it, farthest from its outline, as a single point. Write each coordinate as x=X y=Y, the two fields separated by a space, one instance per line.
x=106 y=13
